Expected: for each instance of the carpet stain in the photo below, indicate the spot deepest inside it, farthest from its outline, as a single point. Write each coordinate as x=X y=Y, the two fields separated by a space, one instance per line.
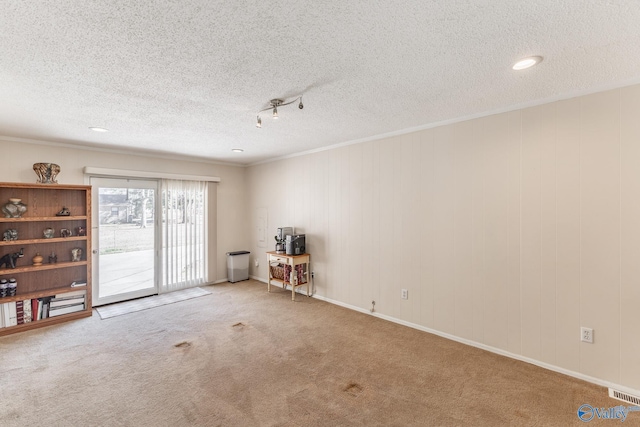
x=239 y=324
x=354 y=389
x=182 y=344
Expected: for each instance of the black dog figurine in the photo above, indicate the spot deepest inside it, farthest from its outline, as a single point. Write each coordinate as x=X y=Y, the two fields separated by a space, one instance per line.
x=9 y=260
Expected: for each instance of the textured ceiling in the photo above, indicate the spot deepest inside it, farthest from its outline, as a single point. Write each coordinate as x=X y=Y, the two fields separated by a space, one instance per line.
x=187 y=77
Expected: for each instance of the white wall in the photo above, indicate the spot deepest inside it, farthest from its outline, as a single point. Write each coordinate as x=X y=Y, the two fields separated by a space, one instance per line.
x=232 y=234
x=511 y=230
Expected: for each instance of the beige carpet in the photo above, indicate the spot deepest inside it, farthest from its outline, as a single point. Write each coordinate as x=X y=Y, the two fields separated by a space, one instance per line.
x=242 y=357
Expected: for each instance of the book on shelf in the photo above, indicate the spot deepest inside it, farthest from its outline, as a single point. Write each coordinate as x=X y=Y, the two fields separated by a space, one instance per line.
x=20 y=312
x=4 y=315
x=57 y=311
x=26 y=304
x=11 y=316
x=43 y=307
x=35 y=310
x=70 y=295
x=63 y=302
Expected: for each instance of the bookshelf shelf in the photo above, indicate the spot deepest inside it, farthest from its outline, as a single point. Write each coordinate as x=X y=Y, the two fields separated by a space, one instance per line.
x=42 y=241
x=31 y=268
x=43 y=218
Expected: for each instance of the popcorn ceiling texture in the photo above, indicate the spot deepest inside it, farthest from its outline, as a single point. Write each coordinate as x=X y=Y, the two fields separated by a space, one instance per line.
x=188 y=77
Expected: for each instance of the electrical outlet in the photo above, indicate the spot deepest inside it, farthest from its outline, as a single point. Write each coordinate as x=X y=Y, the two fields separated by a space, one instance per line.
x=404 y=294
x=256 y=263
x=586 y=335
x=313 y=274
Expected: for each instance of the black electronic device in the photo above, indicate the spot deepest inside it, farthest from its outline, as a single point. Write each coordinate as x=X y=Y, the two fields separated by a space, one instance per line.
x=295 y=244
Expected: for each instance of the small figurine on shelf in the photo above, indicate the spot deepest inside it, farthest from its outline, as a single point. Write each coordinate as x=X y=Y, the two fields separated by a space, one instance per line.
x=10 y=234
x=37 y=260
x=81 y=231
x=76 y=254
x=12 y=289
x=65 y=232
x=53 y=258
x=8 y=288
x=49 y=233
x=63 y=212
x=9 y=260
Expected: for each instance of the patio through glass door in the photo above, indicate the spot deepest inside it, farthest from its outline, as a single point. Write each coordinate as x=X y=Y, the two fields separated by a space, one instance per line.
x=125 y=239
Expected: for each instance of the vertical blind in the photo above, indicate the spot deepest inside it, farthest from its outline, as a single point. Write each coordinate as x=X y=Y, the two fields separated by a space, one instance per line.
x=184 y=234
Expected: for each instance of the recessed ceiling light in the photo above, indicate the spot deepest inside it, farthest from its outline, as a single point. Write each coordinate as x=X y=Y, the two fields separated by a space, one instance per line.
x=97 y=129
x=525 y=63
x=237 y=150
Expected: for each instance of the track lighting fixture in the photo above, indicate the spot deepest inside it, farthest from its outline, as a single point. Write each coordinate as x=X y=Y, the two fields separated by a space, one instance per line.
x=274 y=104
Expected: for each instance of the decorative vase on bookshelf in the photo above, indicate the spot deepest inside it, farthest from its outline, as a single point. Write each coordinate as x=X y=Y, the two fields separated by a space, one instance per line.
x=37 y=260
x=47 y=172
x=14 y=209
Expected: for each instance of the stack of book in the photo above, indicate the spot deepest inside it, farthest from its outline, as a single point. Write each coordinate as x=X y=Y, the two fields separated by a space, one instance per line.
x=66 y=303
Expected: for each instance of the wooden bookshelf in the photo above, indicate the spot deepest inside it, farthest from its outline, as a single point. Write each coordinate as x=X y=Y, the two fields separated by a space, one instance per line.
x=43 y=201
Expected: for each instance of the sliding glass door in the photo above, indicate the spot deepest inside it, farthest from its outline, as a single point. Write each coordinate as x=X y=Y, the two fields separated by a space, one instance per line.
x=125 y=239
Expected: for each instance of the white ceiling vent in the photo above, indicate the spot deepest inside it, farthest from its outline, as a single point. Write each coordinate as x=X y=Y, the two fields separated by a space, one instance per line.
x=625 y=397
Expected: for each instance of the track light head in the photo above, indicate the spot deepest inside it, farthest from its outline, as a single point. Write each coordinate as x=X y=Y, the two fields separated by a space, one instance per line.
x=273 y=106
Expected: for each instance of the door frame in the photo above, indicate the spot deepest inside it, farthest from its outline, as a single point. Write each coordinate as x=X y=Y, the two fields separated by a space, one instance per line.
x=122 y=182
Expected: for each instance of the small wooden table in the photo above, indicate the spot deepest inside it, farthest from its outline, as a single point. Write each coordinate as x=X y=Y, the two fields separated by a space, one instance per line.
x=293 y=261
